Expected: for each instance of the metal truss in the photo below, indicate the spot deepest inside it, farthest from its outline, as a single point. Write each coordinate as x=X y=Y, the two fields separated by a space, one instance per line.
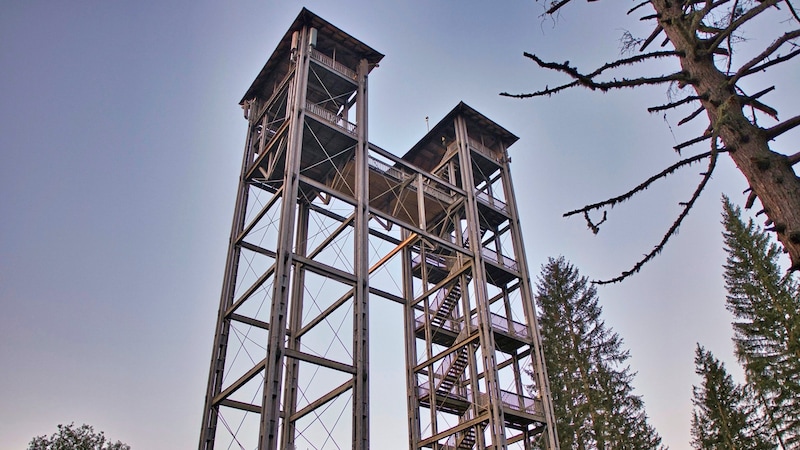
x=326 y=222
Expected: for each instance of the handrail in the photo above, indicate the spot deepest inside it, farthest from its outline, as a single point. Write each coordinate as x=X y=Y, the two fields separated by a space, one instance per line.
x=401 y=175
x=521 y=402
x=331 y=118
x=492 y=201
x=483 y=150
x=331 y=63
x=502 y=260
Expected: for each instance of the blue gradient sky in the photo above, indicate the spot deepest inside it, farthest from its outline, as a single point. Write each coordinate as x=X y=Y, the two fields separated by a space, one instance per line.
x=121 y=139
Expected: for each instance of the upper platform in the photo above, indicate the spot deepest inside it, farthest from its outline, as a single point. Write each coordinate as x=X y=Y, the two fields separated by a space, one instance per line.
x=330 y=41
x=488 y=136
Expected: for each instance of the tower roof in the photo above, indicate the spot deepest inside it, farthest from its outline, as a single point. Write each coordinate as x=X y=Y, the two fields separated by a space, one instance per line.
x=328 y=37
x=427 y=153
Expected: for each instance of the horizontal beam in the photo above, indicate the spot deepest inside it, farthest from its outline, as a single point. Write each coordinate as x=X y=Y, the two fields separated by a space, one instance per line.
x=240 y=405
x=319 y=361
x=250 y=321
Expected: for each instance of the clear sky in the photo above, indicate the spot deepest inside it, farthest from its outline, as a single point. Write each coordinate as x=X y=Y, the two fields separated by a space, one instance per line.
x=121 y=139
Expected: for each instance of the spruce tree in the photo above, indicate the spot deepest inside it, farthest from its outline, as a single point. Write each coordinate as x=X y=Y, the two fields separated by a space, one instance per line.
x=723 y=418
x=765 y=303
x=594 y=404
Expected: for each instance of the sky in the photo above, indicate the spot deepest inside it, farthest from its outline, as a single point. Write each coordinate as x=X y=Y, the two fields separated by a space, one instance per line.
x=121 y=140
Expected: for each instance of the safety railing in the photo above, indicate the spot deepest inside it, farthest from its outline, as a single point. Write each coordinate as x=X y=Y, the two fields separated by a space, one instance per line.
x=521 y=403
x=400 y=175
x=334 y=65
x=509 y=326
x=483 y=150
x=491 y=201
x=502 y=260
x=331 y=118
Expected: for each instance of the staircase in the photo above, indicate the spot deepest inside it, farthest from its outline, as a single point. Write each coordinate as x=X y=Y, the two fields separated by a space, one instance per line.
x=451 y=368
x=463 y=440
x=445 y=303
x=466 y=440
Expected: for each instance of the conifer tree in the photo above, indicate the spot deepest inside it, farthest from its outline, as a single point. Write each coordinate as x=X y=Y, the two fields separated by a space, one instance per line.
x=723 y=418
x=765 y=303
x=594 y=404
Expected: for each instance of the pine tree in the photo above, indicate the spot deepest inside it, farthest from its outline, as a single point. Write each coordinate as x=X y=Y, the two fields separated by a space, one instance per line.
x=594 y=404
x=765 y=303
x=723 y=418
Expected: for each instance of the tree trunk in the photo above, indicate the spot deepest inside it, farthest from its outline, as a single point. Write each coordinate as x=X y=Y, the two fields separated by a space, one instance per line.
x=770 y=175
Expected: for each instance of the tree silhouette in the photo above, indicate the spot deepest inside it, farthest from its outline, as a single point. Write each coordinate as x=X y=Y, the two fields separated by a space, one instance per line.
x=70 y=437
x=700 y=36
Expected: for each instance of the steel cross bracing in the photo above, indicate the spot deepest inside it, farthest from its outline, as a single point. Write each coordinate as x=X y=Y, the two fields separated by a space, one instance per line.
x=326 y=222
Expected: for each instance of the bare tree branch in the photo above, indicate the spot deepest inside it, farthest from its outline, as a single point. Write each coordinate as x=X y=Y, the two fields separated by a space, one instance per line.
x=595 y=227
x=663 y=174
x=782 y=127
x=792 y=10
x=644 y=3
x=711 y=6
x=556 y=6
x=744 y=18
x=691 y=116
x=745 y=69
x=771 y=62
x=652 y=36
x=675 y=225
x=683 y=145
x=684 y=101
x=586 y=80
x=766 y=109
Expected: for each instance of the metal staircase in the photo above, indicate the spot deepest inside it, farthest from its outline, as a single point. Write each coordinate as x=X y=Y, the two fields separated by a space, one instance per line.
x=463 y=440
x=451 y=369
x=466 y=440
x=444 y=304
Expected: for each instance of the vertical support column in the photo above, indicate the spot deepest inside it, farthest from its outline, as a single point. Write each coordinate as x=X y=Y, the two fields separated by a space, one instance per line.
x=551 y=437
x=216 y=372
x=409 y=319
x=361 y=257
x=270 y=409
x=496 y=422
x=295 y=323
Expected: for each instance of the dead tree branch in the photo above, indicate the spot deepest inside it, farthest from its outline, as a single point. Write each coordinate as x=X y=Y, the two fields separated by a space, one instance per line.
x=587 y=80
x=691 y=116
x=644 y=185
x=744 y=18
x=746 y=67
x=782 y=127
x=696 y=140
x=684 y=101
x=675 y=225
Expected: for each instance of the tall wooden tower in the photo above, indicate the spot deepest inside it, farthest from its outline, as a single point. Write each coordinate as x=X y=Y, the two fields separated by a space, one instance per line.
x=326 y=223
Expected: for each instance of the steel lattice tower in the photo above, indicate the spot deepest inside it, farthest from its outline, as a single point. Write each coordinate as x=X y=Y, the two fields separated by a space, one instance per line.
x=323 y=219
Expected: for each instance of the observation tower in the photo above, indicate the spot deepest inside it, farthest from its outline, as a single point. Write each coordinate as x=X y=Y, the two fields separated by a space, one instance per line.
x=325 y=224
